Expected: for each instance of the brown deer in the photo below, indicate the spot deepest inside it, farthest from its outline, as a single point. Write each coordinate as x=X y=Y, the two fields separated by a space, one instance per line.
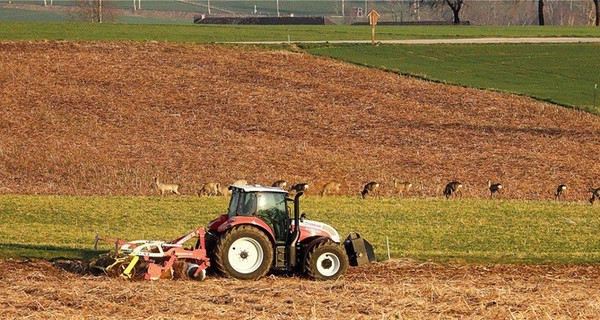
x=595 y=195
x=210 y=189
x=331 y=188
x=559 y=191
x=279 y=184
x=494 y=188
x=453 y=188
x=369 y=188
x=402 y=187
x=166 y=187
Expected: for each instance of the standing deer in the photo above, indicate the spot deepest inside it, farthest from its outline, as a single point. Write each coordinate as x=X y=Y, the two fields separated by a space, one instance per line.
x=559 y=191
x=369 y=188
x=401 y=187
x=332 y=187
x=166 y=187
x=453 y=188
x=210 y=189
x=494 y=188
x=279 y=184
x=595 y=195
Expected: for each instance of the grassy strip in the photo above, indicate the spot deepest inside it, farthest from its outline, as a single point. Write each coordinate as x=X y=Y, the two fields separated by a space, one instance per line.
x=427 y=229
x=218 y=33
x=560 y=73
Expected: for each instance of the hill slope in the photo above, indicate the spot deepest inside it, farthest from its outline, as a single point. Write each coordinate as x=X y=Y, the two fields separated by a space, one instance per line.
x=104 y=118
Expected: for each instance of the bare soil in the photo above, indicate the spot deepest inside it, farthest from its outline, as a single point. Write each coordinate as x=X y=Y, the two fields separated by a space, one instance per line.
x=104 y=118
x=395 y=289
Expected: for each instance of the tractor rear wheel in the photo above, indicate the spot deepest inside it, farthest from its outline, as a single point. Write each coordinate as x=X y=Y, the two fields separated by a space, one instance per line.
x=244 y=253
x=326 y=261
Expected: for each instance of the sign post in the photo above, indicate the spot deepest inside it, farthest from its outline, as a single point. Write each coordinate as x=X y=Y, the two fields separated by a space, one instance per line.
x=373 y=16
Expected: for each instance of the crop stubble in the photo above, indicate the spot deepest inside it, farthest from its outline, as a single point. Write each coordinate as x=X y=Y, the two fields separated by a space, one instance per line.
x=105 y=117
x=392 y=289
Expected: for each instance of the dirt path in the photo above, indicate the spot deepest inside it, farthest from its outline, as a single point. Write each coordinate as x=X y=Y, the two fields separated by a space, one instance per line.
x=389 y=290
x=441 y=41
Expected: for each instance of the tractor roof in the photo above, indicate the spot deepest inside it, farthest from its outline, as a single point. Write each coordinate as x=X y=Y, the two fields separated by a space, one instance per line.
x=257 y=188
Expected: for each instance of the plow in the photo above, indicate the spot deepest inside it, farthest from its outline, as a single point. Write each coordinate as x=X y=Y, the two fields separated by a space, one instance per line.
x=154 y=259
x=259 y=233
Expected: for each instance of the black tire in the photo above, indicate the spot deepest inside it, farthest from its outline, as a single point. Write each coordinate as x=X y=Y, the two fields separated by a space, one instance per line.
x=253 y=253
x=326 y=261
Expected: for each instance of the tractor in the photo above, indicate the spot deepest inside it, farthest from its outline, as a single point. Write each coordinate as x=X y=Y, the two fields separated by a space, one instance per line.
x=258 y=234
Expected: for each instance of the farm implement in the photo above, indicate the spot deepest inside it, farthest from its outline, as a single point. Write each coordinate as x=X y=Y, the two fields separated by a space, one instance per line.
x=258 y=234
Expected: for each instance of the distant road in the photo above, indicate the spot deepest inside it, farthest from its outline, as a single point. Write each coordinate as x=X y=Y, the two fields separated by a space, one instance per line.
x=440 y=41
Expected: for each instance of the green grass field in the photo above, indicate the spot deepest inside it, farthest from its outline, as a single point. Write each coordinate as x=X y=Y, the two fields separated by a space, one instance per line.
x=561 y=73
x=219 y=33
x=479 y=231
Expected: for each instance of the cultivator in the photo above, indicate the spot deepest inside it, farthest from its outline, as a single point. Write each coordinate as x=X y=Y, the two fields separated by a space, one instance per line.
x=154 y=260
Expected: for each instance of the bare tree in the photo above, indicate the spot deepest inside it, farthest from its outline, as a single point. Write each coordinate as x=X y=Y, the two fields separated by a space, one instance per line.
x=455 y=6
x=597 y=12
x=93 y=11
x=541 y=12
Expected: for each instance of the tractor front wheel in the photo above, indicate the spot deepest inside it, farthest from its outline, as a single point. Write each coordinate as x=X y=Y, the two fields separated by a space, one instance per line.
x=243 y=253
x=326 y=261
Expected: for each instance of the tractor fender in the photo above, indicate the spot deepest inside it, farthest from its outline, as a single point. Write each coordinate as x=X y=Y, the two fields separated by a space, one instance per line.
x=243 y=220
x=307 y=245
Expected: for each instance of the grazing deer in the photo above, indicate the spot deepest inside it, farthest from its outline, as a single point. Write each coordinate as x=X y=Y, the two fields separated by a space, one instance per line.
x=299 y=187
x=401 y=187
x=369 y=188
x=453 y=188
x=494 y=188
x=210 y=189
x=595 y=195
x=279 y=184
x=166 y=187
x=332 y=187
x=559 y=191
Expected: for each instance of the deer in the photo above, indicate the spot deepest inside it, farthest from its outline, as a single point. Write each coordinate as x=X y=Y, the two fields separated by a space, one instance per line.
x=332 y=187
x=210 y=189
x=401 y=187
x=369 y=188
x=166 y=187
x=494 y=188
x=453 y=188
x=559 y=191
x=279 y=184
x=595 y=195
x=299 y=187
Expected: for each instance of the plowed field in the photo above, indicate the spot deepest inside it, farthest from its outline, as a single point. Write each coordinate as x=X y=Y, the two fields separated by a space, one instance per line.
x=390 y=290
x=104 y=118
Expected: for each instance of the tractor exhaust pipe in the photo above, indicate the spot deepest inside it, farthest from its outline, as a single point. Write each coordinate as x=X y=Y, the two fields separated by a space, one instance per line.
x=296 y=234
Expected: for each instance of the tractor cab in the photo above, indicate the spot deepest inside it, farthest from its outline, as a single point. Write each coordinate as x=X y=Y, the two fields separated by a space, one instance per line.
x=266 y=203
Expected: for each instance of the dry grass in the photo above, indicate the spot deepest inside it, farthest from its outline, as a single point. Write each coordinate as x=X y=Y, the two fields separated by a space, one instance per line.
x=396 y=289
x=103 y=118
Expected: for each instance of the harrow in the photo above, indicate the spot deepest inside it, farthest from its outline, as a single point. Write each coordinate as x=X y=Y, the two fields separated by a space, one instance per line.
x=154 y=259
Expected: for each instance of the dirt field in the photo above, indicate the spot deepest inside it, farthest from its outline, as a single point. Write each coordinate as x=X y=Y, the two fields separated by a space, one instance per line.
x=390 y=290
x=104 y=118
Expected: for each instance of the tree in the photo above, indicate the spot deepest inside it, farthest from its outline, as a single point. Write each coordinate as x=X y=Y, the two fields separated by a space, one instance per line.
x=93 y=11
x=597 y=12
x=455 y=6
x=541 y=12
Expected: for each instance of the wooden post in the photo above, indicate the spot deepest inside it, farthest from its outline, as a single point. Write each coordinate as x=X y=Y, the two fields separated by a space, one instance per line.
x=99 y=11
x=373 y=16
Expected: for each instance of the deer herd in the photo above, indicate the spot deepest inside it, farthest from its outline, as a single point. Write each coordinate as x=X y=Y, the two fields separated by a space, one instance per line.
x=452 y=190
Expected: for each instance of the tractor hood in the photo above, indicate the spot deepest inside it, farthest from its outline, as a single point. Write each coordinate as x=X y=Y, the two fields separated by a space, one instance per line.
x=310 y=228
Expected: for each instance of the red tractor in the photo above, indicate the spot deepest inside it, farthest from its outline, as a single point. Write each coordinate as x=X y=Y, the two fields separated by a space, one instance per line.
x=257 y=234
